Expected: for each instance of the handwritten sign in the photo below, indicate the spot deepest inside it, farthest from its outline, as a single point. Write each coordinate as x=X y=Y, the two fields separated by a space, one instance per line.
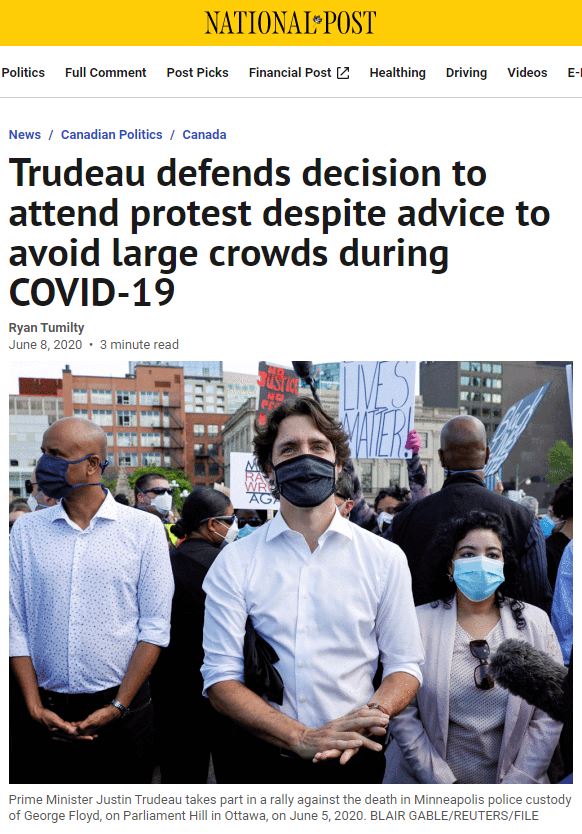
x=511 y=427
x=276 y=385
x=249 y=489
x=377 y=407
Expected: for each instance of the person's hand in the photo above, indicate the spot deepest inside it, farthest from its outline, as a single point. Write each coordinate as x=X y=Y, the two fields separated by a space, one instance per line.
x=413 y=442
x=348 y=733
x=87 y=729
x=380 y=728
x=53 y=722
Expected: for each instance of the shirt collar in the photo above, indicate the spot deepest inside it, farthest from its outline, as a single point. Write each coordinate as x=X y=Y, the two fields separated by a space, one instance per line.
x=108 y=510
x=338 y=524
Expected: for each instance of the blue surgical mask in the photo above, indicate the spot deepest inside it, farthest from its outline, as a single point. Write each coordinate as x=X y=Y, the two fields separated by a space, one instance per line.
x=477 y=577
x=51 y=475
x=245 y=531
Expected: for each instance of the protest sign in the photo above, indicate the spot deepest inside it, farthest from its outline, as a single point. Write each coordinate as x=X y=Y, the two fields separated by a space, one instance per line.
x=276 y=384
x=509 y=430
x=377 y=407
x=570 y=382
x=249 y=489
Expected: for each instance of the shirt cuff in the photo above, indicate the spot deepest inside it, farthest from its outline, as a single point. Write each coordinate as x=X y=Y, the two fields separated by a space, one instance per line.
x=411 y=668
x=155 y=630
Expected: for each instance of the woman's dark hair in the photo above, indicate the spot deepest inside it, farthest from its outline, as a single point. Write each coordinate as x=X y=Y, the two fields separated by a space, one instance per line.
x=203 y=502
x=449 y=534
x=401 y=494
x=563 y=500
x=265 y=435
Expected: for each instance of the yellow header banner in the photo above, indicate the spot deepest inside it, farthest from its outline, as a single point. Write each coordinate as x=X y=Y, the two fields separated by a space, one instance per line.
x=329 y=23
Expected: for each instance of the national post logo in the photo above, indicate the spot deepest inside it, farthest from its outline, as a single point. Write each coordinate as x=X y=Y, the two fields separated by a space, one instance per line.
x=302 y=23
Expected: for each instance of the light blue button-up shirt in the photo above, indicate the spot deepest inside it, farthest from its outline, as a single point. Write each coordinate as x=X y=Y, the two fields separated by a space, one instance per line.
x=80 y=600
x=329 y=614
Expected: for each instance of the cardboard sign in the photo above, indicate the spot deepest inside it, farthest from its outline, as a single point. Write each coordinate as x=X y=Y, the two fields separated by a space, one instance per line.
x=511 y=427
x=377 y=407
x=249 y=489
x=276 y=385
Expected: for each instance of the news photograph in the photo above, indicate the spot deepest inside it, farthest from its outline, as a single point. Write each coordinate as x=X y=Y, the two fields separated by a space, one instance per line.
x=344 y=573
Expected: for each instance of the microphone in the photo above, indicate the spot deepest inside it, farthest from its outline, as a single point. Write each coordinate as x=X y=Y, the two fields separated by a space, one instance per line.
x=532 y=675
x=303 y=371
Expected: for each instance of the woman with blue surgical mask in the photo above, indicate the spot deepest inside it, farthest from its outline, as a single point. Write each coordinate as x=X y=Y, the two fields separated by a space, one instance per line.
x=462 y=727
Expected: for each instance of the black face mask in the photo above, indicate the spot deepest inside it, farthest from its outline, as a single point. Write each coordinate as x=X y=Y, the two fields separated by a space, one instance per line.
x=305 y=481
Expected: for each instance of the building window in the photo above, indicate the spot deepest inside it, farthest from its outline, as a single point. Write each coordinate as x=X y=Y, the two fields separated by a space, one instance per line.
x=366 y=476
x=103 y=416
x=497 y=369
x=199 y=389
x=127 y=459
x=213 y=448
x=150 y=438
x=149 y=397
x=423 y=439
x=199 y=470
x=199 y=409
x=81 y=412
x=198 y=429
x=149 y=419
x=465 y=380
x=486 y=367
x=213 y=468
x=394 y=474
x=13 y=462
x=100 y=395
x=127 y=438
x=199 y=448
x=151 y=459
x=79 y=395
x=212 y=431
x=125 y=398
x=126 y=418
x=496 y=398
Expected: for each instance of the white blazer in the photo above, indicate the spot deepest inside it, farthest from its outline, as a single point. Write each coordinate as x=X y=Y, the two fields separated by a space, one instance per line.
x=417 y=751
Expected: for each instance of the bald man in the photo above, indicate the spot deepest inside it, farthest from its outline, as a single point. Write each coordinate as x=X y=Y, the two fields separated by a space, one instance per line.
x=90 y=597
x=463 y=455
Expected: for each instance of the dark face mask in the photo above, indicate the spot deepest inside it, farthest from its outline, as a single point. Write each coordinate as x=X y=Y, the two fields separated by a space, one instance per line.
x=51 y=475
x=305 y=481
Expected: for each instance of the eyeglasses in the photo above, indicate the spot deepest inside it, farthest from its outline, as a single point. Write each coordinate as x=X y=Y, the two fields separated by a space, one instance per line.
x=480 y=649
x=228 y=519
x=159 y=490
x=252 y=522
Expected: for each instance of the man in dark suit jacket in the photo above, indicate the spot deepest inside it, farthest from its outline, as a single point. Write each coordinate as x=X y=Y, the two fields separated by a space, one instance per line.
x=463 y=455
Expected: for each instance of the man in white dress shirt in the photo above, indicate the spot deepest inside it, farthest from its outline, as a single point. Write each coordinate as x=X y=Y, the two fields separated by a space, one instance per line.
x=90 y=597
x=331 y=599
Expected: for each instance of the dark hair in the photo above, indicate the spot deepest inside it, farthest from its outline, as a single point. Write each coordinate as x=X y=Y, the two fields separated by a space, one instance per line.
x=122 y=498
x=563 y=499
x=344 y=486
x=18 y=504
x=449 y=534
x=265 y=436
x=401 y=494
x=203 y=502
x=144 y=481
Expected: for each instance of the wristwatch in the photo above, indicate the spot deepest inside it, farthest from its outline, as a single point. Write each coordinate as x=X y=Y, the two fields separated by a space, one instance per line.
x=118 y=705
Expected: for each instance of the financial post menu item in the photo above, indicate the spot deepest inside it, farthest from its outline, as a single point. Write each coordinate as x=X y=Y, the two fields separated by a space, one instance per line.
x=249 y=489
x=377 y=407
x=511 y=427
x=276 y=385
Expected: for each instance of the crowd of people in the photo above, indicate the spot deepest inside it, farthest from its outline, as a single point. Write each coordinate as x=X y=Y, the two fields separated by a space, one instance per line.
x=333 y=643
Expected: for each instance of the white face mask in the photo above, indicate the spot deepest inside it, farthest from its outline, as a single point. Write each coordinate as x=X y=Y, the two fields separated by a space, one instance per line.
x=384 y=519
x=162 y=503
x=32 y=503
x=232 y=532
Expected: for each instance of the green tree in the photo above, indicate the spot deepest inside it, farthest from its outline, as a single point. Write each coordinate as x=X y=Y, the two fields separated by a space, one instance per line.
x=171 y=475
x=560 y=462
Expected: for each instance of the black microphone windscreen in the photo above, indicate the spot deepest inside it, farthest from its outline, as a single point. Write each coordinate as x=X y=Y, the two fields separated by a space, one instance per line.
x=302 y=369
x=531 y=674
